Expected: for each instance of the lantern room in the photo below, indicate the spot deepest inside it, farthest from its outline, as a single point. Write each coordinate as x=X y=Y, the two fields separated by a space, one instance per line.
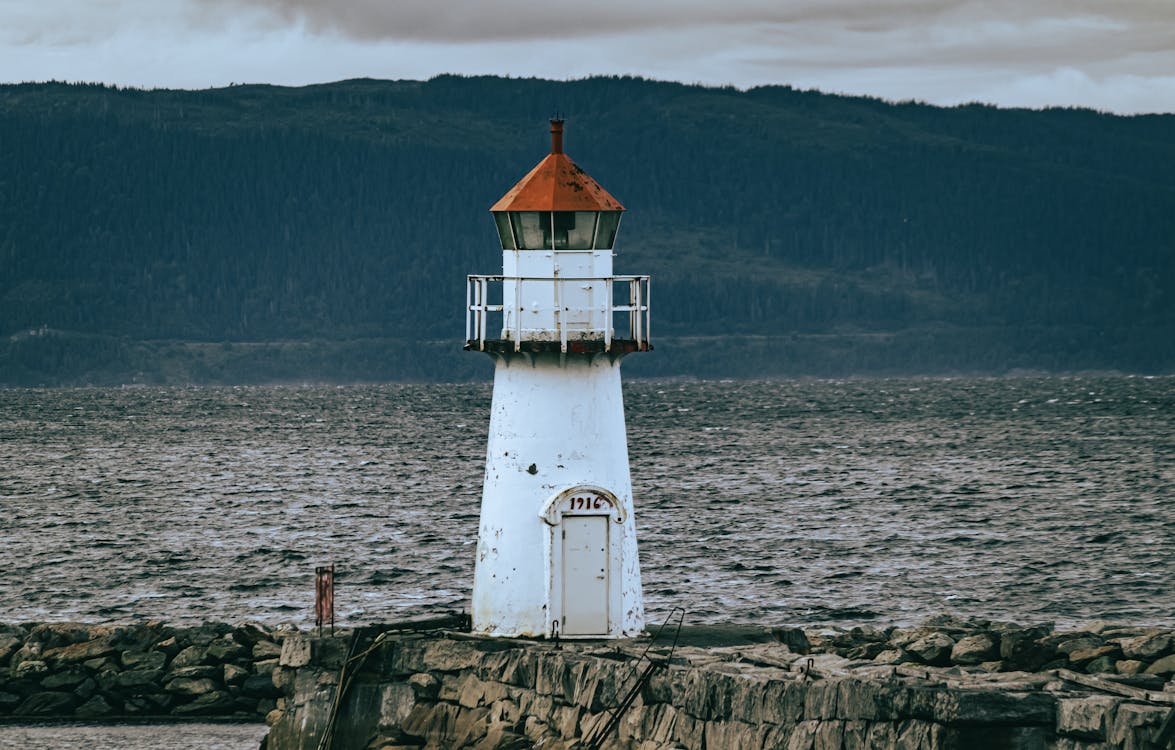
x=557 y=206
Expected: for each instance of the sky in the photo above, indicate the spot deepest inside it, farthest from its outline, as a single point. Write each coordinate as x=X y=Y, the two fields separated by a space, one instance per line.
x=1110 y=55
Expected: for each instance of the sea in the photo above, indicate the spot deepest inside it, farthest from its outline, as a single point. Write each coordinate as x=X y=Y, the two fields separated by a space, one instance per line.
x=822 y=503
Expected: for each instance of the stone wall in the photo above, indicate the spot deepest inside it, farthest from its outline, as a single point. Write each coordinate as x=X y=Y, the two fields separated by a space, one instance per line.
x=453 y=691
x=100 y=672
x=946 y=684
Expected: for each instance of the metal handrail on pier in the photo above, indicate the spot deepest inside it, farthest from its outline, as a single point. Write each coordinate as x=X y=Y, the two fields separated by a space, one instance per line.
x=478 y=308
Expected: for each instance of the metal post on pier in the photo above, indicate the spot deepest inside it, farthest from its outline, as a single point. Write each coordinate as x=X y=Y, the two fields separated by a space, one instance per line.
x=324 y=597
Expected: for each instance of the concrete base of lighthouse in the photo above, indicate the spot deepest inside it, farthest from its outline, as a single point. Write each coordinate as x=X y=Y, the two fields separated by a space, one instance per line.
x=556 y=548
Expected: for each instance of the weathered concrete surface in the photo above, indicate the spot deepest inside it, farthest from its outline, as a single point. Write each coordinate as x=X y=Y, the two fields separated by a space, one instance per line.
x=743 y=690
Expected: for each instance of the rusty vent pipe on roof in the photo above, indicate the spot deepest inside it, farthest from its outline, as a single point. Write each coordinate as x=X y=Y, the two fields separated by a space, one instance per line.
x=556 y=135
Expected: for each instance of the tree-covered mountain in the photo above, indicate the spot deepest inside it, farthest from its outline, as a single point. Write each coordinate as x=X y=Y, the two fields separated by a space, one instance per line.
x=324 y=232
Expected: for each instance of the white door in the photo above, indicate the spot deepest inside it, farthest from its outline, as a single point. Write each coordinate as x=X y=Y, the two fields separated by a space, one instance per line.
x=585 y=575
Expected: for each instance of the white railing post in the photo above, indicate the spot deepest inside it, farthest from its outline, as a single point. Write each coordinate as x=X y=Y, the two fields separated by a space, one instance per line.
x=483 y=313
x=608 y=314
x=517 y=311
x=648 y=308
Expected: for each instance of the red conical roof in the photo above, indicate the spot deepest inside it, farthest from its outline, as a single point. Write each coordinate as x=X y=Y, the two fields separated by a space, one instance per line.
x=557 y=184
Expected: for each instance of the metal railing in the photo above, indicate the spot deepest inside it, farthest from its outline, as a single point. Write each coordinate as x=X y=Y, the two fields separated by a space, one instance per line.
x=479 y=307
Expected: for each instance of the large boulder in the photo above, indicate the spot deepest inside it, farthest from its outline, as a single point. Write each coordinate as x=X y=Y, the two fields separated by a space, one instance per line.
x=79 y=652
x=1146 y=647
x=191 y=686
x=143 y=659
x=975 y=649
x=225 y=649
x=933 y=649
x=260 y=686
x=94 y=708
x=1021 y=648
x=47 y=704
x=70 y=677
x=189 y=657
x=1163 y=667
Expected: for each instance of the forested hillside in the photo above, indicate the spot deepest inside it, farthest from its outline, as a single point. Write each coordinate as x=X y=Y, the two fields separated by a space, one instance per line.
x=261 y=233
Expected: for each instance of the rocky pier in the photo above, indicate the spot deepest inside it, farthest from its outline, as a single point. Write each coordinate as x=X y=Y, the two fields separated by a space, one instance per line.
x=947 y=684
x=112 y=672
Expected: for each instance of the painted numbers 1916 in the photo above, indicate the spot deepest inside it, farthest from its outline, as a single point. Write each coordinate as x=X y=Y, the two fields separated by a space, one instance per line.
x=589 y=502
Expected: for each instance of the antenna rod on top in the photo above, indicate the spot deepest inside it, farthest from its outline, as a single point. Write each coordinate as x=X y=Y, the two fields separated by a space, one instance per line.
x=556 y=135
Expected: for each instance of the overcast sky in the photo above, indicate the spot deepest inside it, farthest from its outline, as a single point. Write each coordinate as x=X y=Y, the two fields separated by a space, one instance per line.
x=1113 y=55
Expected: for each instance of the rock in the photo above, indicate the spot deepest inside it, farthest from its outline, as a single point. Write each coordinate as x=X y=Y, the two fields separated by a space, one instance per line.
x=266 y=650
x=989 y=706
x=1101 y=665
x=47 y=704
x=794 y=638
x=137 y=678
x=249 y=634
x=100 y=664
x=1084 y=642
x=424 y=685
x=78 y=652
x=1086 y=718
x=933 y=649
x=189 y=657
x=295 y=652
x=52 y=635
x=226 y=649
x=93 y=708
x=143 y=659
x=234 y=675
x=9 y=701
x=31 y=668
x=283 y=679
x=975 y=649
x=170 y=646
x=1082 y=656
x=86 y=688
x=1021 y=651
x=893 y=656
x=274 y=716
x=9 y=644
x=1129 y=666
x=206 y=704
x=260 y=686
x=1134 y=726
x=191 y=686
x=1146 y=647
x=1164 y=666
x=265 y=666
x=66 y=678
x=202 y=670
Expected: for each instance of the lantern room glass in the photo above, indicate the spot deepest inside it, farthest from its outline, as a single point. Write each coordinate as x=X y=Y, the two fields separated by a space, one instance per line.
x=557 y=230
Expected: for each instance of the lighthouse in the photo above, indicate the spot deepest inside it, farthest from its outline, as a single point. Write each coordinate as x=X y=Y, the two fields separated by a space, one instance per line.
x=556 y=546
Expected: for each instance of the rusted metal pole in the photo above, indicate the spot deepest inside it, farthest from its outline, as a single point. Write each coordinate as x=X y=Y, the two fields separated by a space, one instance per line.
x=324 y=597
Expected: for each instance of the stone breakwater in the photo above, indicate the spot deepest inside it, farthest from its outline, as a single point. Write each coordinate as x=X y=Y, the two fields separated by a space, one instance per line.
x=946 y=685
x=103 y=672
x=1143 y=656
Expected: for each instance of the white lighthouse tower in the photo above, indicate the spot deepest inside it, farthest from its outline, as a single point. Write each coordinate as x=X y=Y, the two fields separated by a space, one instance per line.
x=556 y=547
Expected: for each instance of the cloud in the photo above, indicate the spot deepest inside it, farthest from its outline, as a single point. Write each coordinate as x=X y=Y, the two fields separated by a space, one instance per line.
x=1107 y=54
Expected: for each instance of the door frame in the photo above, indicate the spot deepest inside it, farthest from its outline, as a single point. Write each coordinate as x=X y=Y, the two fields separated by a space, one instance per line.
x=580 y=501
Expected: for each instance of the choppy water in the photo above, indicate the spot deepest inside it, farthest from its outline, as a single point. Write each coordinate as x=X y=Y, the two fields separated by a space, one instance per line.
x=194 y=736
x=1033 y=499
